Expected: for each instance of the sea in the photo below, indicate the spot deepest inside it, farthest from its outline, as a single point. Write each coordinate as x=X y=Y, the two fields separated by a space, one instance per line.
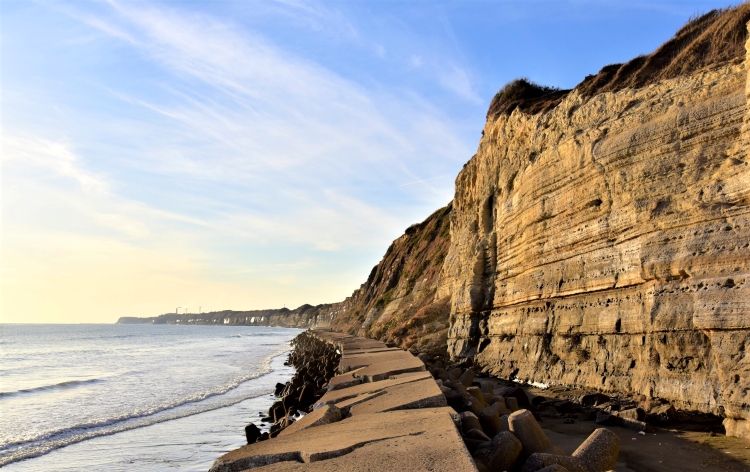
x=133 y=397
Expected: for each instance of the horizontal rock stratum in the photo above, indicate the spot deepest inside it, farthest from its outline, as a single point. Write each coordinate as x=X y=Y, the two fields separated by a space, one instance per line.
x=605 y=244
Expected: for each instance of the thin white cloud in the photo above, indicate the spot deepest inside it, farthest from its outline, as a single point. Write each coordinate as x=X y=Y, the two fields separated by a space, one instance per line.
x=238 y=156
x=56 y=156
x=457 y=79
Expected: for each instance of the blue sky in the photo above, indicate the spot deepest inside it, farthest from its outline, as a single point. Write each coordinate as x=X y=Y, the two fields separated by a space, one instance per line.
x=248 y=154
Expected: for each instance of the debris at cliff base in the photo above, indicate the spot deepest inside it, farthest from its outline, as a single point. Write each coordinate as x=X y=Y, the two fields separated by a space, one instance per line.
x=559 y=418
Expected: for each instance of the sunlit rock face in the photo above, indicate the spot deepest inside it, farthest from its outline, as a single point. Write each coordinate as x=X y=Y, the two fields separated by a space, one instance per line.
x=605 y=243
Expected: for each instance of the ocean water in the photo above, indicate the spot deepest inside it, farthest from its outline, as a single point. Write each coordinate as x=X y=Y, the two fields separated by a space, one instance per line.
x=133 y=397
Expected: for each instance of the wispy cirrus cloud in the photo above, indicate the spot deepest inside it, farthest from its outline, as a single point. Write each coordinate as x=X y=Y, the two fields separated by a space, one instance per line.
x=248 y=161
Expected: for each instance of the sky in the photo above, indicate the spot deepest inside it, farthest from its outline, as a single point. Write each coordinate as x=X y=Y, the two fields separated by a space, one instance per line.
x=210 y=155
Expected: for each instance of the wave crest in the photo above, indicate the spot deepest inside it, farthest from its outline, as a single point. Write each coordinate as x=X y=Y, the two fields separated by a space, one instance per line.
x=66 y=384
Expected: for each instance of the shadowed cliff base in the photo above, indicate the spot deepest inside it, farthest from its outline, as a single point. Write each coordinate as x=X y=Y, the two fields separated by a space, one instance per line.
x=710 y=40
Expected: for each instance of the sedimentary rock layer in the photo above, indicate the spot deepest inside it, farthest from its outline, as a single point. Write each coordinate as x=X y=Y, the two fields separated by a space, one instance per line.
x=606 y=244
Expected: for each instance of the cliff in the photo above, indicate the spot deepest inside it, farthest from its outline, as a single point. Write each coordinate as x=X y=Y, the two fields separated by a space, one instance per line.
x=600 y=237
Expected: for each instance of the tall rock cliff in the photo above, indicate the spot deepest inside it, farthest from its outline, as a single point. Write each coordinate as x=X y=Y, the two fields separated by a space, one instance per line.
x=600 y=237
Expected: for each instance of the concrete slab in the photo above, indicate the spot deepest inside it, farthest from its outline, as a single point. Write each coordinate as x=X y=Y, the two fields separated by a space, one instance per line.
x=411 y=376
x=344 y=381
x=383 y=370
x=345 y=405
x=325 y=415
x=340 y=395
x=424 y=439
x=350 y=362
x=406 y=396
x=412 y=453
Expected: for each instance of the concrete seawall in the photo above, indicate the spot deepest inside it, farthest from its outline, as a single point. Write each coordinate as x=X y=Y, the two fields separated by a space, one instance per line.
x=382 y=411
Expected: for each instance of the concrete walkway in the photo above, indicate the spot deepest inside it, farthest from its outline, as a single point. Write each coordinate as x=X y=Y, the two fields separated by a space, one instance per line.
x=383 y=412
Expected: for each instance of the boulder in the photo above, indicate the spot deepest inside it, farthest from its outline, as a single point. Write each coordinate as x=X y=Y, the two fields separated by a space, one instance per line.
x=607 y=419
x=477 y=434
x=455 y=374
x=504 y=425
x=512 y=403
x=599 y=451
x=519 y=394
x=661 y=414
x=554 y=468
x=523 y=424
x=500 y=453
x=467 y=377
x=636 y=414
x=490 y=421
x=542 y=461
x=469 y=421
x=252 y=433
x=594 y=399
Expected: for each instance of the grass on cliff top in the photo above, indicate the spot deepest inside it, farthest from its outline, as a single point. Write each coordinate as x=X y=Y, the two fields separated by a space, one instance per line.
x=522 y=93
x=715 y=38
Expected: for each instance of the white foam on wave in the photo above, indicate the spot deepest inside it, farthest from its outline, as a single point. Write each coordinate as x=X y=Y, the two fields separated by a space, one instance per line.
x=50 y=441
x=66 y=384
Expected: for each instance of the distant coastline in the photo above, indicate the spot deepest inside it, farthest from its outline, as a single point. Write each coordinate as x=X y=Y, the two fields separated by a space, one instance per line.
x=306 y=316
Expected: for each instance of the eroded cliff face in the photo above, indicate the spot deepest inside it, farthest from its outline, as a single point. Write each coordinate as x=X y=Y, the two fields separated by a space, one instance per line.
x=398 y=303
x=605 y=243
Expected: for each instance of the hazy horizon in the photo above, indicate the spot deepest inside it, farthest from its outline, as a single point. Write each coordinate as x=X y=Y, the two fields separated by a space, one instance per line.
x=251 y=155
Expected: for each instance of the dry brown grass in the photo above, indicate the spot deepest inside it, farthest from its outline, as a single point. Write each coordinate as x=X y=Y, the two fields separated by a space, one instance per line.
x=710 y=40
